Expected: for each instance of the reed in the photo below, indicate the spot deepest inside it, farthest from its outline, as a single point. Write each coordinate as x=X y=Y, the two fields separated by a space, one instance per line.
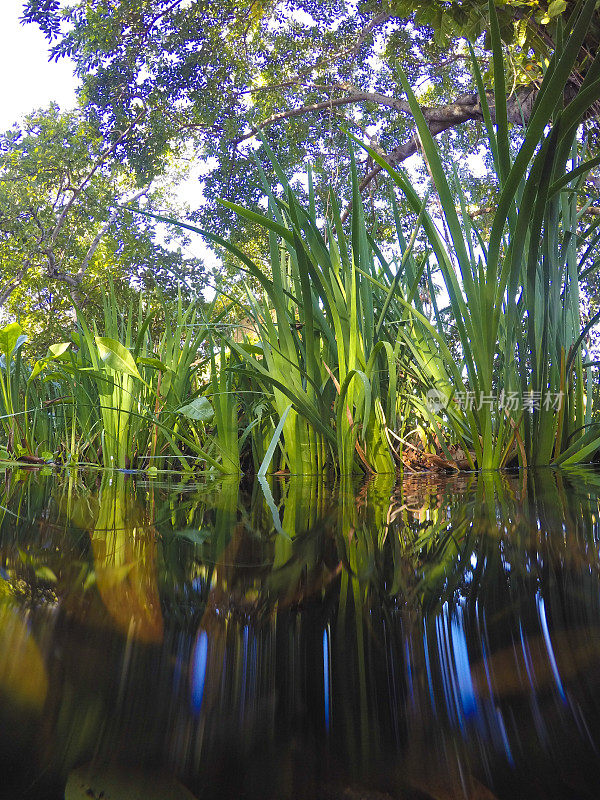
x=344 y=353
x=515 y=298
x=329 y=377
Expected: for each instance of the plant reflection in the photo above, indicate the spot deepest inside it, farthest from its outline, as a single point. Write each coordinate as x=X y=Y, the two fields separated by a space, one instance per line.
x=438 y=639
x=124 y=547
x=23 y=679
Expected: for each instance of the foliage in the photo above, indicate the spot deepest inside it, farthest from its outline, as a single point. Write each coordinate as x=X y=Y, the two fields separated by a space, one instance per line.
x=60 y=232
x=346 y=337
x=515 y=298
x=211 y=74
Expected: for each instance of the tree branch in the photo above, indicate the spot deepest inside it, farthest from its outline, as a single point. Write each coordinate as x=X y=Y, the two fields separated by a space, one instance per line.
x=440 y=118
x=157 y=18
x=356 y=96
x=78 y=277
x=465 y=107
x=378 y=19
x=8 y=288
x=102 y=158
x=72 y=280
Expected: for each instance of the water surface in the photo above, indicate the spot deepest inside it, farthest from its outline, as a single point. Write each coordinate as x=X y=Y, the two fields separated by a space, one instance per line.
x=299 y=639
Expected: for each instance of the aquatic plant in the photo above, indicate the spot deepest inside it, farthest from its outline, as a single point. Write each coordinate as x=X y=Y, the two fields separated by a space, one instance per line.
x=324 y=360
x=113 y=396
x=344 y=359
x=515 y=298
x=12 y=340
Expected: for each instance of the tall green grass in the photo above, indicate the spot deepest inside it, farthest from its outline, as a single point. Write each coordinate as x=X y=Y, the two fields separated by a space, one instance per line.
x=345 y=357
x=324 y=360
x=113 y=396
x=316 y=326
x=516 y=298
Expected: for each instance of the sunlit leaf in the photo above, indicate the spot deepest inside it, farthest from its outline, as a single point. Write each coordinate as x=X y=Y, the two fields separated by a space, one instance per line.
x=57 y=350
x=199 y=409
x=9 y=338
x=116 y=356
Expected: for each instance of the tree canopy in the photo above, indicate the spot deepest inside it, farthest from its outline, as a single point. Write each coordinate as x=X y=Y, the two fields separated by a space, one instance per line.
x=215 y=73
x=63 y=231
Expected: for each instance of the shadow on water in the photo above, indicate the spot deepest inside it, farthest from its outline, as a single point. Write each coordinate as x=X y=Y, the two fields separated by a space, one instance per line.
x=440 y=639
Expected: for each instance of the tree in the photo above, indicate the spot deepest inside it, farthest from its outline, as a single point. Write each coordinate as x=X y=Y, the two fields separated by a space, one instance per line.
x=63 y=231
x=171 y=72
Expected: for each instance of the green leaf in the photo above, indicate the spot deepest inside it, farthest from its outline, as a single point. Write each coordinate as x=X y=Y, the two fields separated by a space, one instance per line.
x=37 y=368
x=57 y=350
x=556 y=7
x=117 y=357
x=273 y=444
x=199 y=409
x=9 y=338
x=155 y=363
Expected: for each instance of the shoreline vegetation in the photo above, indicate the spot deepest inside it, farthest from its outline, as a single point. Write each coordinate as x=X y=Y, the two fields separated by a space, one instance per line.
x=346 y=363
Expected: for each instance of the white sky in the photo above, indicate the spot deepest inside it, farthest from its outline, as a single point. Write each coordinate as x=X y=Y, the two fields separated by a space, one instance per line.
x=29 y=81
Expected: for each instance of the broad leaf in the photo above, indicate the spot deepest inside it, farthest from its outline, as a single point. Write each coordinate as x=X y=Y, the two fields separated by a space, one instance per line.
x=117 y=357
x=9 y=338
x=57 y=350
x=199 y=409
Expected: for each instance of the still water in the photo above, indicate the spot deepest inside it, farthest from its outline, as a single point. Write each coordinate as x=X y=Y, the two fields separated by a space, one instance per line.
x=300 y=639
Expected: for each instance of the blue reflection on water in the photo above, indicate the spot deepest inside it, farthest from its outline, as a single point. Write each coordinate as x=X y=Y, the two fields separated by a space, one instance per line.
x=244 y=673
x=428 y=668
x=326 y=677
x=553 y=665
x=454 y=665
x=198 y=676
x=461 y=663
x=504 y=735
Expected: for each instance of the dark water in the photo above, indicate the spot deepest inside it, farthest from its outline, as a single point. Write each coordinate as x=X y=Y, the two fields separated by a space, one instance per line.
x=300 y=639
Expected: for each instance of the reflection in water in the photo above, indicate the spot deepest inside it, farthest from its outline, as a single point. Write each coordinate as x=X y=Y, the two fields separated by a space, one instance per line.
x=326 y=678
x=23 y=679
x=439 y=640
x=123 y=544
x=548 y=643
x=198 y=670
